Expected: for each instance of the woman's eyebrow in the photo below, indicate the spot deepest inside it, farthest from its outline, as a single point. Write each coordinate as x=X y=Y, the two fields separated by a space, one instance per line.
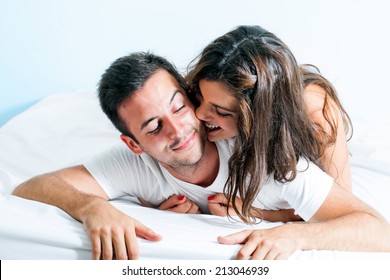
x=223 y=108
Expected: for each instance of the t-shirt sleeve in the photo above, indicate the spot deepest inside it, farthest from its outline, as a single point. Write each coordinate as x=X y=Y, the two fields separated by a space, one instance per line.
x=119 y=172
x=309 y=190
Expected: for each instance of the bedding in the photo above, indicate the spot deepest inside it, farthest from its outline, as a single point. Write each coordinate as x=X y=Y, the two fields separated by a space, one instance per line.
x=67 y=128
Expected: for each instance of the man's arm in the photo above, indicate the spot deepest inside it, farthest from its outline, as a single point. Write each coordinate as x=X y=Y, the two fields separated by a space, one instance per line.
x=74 y=190
x=343 y=223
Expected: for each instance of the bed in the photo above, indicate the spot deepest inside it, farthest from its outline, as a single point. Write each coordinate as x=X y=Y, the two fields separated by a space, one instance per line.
x=66 y=128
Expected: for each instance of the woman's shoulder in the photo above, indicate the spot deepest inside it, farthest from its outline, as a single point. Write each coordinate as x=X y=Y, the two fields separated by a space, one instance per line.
x=315 y=98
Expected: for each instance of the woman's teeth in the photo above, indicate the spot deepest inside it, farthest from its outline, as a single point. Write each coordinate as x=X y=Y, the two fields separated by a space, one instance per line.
x=211 y=127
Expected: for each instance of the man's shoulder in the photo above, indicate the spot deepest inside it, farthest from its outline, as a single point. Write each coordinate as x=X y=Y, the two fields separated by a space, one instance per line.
x=120 y=154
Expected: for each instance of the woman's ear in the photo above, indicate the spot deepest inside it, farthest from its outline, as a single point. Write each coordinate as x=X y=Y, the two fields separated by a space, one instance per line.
x=131 y=144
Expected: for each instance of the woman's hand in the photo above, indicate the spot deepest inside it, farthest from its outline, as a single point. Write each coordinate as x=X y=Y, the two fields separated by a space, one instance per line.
x=179 y=204
x=218 y=206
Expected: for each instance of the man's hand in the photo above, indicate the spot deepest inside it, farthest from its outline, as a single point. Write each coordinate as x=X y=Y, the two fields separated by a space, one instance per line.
x=267 y=244
x=179 y=204
x=112 y=233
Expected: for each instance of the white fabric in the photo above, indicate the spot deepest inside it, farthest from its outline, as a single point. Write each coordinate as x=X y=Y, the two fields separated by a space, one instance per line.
x=120 y=172
x=305 y=194
x=66 y=129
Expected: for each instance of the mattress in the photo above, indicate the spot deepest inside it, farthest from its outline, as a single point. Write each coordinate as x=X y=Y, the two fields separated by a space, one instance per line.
x=65 y=129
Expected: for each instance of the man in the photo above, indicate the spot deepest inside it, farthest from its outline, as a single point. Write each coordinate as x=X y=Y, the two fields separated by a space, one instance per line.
x=169 y=164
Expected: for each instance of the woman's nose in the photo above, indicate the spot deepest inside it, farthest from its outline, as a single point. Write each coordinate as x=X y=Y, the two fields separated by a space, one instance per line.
x=201 y=113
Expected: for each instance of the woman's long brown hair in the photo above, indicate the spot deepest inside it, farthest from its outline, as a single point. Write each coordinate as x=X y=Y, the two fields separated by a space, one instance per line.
x=274 y=127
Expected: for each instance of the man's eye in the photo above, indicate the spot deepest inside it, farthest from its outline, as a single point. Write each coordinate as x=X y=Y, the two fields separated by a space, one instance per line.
x=180 y=108
x=156 y=130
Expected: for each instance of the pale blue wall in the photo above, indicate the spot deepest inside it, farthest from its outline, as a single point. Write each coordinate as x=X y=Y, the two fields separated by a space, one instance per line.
x=49 y=46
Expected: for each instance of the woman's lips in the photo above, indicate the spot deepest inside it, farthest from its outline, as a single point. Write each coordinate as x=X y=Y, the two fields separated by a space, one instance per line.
x=212 y=128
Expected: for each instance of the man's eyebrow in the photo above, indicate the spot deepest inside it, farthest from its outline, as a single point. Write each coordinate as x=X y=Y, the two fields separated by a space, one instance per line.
x=174 y=95
x=145 y=123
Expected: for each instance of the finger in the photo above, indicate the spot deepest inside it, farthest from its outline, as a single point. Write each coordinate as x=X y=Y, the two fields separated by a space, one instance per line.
x=106 y=247
x=131 y=244
x=169 y=203
x=246 y=251
x=264 y=251
x=118 y=241
x=218 y=209
x=235 y=238
x=145 y=232
x=271 y=255
x=172 y=201
x=181 y=208
x=96 y=247
x=194 y=209
x=217 y=198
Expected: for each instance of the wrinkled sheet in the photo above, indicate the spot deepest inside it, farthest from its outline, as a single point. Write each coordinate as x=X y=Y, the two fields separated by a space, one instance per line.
x=64 y=129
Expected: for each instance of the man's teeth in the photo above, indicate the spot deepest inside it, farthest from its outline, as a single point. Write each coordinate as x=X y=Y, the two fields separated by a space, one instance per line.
x=211 y=126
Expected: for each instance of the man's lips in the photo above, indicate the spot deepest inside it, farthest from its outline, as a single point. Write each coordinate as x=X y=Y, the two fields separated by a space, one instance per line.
x=185 y=144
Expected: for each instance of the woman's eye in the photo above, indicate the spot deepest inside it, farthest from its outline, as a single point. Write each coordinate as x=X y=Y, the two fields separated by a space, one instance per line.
x=223 y=115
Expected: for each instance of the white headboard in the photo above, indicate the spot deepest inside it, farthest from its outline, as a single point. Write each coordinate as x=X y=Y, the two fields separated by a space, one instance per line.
x=61 y=46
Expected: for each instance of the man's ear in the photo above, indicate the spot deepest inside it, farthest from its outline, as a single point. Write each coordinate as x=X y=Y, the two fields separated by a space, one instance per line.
x=131 y=144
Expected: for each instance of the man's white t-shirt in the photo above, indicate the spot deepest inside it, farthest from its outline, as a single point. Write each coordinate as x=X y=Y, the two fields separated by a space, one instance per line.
x=120 y=173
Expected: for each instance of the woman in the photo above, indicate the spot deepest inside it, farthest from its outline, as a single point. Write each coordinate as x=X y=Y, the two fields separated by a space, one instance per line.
x=251 y=89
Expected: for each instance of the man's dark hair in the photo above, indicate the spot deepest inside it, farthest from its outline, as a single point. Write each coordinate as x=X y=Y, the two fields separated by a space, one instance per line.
x=127 y=75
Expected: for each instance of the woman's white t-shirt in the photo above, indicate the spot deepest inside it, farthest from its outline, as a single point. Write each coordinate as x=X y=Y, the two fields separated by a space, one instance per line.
x=120 y=173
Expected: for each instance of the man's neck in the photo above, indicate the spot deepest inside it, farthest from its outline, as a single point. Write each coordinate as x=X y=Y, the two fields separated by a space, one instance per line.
x=204 y=172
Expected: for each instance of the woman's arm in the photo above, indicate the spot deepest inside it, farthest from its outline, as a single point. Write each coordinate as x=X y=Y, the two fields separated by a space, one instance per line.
x=335 y=158
x=343 y=223
x=218 y=206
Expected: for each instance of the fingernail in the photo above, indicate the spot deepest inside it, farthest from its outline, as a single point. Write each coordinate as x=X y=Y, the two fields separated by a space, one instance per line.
x=180 y=197
x=211 y=197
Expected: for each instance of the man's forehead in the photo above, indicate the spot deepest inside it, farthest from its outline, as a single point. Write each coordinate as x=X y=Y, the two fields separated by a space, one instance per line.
x=158 y=92
x=161 y=85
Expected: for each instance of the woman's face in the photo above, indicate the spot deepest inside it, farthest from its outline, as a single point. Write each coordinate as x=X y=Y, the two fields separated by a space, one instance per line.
x=218 y=109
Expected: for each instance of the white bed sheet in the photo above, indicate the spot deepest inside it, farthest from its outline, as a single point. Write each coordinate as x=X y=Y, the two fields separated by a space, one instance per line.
x=64 y=129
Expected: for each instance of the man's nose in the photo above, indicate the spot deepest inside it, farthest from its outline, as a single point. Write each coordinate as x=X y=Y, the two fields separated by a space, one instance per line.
x=175 y=128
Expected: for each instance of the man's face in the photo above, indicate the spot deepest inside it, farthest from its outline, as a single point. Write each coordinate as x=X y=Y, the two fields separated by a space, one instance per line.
x=163 y=120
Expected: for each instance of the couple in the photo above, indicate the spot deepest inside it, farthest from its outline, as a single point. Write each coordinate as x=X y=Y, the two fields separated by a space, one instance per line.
x=263 y=144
